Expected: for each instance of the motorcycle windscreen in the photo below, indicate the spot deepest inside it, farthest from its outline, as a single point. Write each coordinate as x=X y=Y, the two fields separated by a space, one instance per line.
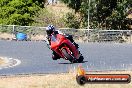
x=53 y=38
x=54 y=41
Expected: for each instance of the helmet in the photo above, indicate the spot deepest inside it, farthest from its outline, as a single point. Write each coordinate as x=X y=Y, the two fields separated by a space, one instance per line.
x=50 y=29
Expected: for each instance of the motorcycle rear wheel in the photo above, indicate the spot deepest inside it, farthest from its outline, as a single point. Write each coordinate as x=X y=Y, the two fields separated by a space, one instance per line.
x=80 y=60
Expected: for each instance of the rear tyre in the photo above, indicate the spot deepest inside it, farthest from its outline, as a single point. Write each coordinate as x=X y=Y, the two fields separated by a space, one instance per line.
x=68 y=56
x=80 y=60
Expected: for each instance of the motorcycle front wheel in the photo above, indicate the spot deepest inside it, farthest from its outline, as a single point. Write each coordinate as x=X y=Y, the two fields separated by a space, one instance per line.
x=68 y=56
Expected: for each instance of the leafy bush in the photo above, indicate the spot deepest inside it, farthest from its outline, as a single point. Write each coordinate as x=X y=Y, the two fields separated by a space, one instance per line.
x=18 y=12
x=44 y=18
x=71 y=21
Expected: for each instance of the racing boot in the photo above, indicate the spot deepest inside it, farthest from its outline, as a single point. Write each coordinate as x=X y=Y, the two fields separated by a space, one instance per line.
x=55 y=56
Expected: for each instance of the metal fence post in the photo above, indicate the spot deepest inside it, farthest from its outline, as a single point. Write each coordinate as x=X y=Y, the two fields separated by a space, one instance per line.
x=130 y=32
x=13 y=31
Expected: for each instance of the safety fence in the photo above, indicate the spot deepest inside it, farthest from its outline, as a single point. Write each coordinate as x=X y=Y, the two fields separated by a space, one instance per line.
x=8 y=32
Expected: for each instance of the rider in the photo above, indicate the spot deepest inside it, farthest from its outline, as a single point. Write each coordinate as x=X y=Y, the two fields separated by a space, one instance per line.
x=50 y=30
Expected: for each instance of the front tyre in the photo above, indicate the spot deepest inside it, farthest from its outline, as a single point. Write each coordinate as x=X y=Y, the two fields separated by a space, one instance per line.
x=68 y=56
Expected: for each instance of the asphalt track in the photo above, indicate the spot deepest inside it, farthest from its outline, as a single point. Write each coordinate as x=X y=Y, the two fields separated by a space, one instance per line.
x=35 y=57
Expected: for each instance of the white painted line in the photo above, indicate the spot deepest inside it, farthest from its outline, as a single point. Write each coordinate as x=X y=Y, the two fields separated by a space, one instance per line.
x=9 y=62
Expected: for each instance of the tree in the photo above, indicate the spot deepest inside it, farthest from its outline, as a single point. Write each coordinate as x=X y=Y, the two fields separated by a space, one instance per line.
x=18 y=12
x=74 y=4
x=71 y=21
x=112 y=14
x=104 y=14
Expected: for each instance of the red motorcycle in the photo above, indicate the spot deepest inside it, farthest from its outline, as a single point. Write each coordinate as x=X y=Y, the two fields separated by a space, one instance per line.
x=65 y=48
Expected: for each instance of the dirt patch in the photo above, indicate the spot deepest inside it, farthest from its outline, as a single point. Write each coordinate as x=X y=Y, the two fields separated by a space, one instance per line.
x=6 y=36
x=65 y=80
x=60 y=9
x=37 y=38
x=1 y=61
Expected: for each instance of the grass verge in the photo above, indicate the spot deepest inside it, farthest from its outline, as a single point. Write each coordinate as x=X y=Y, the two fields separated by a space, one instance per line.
x=64 y=80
